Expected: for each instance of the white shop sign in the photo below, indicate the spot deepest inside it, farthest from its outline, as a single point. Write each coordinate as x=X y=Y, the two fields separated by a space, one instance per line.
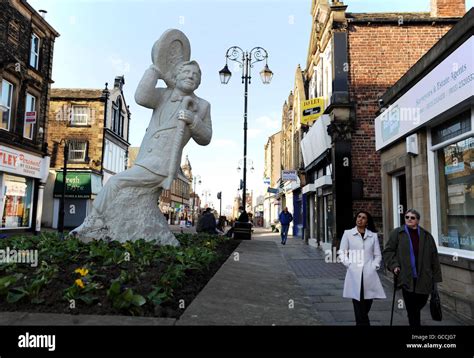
x=289 y=175
x=448 y=84
x=17 y=162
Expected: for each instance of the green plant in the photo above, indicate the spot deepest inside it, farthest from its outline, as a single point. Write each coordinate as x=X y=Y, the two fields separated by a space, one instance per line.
x=7 y=281
x=124 y=299
x=160 y=295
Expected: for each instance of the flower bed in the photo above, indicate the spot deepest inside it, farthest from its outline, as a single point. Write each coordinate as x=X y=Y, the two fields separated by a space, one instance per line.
x=132 y=278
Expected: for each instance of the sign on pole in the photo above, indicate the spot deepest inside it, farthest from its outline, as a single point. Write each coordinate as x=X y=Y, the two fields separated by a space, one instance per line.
x=289 y=175
x=312 y=109
x=272 y=190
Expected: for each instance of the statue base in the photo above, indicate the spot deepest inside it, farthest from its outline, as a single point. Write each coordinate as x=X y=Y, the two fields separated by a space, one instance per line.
x=133 y=215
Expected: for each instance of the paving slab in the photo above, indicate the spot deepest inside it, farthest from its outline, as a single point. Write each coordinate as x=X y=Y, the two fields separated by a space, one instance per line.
x=58 y=319
x=258 y=289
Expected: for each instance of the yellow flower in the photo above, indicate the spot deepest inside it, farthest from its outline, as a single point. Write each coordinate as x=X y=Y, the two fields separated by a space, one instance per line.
x=82 y=271
x=79 y=283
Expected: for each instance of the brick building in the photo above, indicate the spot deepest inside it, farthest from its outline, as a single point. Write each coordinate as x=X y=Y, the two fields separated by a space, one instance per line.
x=353 y=58
x=26 y=58
x=94 y=124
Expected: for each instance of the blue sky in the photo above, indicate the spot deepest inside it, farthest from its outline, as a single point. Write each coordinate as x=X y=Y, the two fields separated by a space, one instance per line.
x=101 y=39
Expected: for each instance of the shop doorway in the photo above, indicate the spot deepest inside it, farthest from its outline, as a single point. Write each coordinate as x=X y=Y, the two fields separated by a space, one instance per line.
x=399 y=192
x=325 y=218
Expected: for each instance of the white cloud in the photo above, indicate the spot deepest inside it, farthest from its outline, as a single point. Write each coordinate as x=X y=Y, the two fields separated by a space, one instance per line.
x=224 y=143
x=269 y=123
x=253 y=133
x=119 y=65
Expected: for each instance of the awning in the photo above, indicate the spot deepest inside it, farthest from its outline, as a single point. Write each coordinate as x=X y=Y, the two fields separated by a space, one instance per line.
x=78 y=185
x=323 y=181
x=316 y=141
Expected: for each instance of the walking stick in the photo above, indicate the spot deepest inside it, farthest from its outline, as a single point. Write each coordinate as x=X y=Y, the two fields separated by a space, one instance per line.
x=393 y=300
x=189 y=104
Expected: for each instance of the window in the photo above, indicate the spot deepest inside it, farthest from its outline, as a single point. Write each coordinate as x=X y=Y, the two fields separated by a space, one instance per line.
x=77 y=151
x=35 y=48
x=122 y=120
x=28 y=128
x=118 y=118
x=115 y=112
x=17 y=203
x=456 y=195
x=6 y=101
x=453 y=128
x=80 y=116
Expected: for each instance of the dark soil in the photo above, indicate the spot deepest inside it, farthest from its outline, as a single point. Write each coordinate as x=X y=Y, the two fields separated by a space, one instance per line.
x=193 y=283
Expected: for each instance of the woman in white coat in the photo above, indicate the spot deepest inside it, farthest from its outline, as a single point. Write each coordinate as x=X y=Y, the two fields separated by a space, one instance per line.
x=360 y=253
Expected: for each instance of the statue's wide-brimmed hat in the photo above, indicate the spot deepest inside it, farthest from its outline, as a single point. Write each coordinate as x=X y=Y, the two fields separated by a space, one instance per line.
x=172 y=48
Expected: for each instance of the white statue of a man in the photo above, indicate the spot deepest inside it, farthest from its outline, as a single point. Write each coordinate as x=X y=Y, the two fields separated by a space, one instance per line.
x=178 y=116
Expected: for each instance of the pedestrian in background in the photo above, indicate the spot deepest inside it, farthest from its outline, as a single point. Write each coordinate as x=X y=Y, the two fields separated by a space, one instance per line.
x=360 y=253
x=411 y=254
x=285 y=218
x=207 y=223
x=243 y=218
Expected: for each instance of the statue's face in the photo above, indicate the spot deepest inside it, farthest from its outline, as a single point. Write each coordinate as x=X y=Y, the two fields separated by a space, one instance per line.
x=188 y=78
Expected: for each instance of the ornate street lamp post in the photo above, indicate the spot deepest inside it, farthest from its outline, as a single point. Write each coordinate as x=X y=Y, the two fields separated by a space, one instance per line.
x=196 y=179
x=246 y=59
x=63 y=191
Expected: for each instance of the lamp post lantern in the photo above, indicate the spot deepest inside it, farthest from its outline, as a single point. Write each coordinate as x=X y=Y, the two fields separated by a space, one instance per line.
x=246 y=59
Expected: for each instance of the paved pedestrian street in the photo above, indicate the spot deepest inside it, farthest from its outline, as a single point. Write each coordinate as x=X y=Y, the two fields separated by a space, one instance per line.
x=323 y=284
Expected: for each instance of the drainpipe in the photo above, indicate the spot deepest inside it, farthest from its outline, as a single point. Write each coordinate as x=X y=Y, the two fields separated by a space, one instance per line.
x=105 y=96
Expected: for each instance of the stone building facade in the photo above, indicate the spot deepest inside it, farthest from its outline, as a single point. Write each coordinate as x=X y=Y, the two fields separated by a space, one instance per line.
x=272 y=173
x=26 y=59
x=94 y=124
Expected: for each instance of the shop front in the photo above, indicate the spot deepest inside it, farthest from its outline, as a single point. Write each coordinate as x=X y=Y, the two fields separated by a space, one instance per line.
x=81 y=189
x=426 y=142
x=319 y=205
x=22 y=177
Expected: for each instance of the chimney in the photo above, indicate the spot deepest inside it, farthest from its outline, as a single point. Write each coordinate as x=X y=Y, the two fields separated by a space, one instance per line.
x=43 y=13
x=119 y=82
x=448 y=8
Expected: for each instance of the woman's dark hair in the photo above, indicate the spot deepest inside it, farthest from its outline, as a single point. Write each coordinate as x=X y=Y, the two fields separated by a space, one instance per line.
x=370 y=220
x=414 y=212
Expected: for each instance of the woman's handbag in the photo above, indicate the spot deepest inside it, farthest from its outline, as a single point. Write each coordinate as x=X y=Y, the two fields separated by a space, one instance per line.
x=435 y=305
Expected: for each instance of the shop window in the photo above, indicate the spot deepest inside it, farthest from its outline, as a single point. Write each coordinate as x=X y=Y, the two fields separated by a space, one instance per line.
x=77 y=151
x=35 y=48
x=80 y=116
x=17 y=202
x=456 y=184
x=6 y=102
x=28 y=128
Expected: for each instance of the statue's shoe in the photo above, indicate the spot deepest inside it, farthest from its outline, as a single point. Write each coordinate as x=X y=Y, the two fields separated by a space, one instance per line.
x=91 y=224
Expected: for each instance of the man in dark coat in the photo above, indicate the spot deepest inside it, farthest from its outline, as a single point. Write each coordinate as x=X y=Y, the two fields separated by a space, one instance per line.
x=243 y=218
x=207 y=223
x=285 y=218
x=411 y=254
